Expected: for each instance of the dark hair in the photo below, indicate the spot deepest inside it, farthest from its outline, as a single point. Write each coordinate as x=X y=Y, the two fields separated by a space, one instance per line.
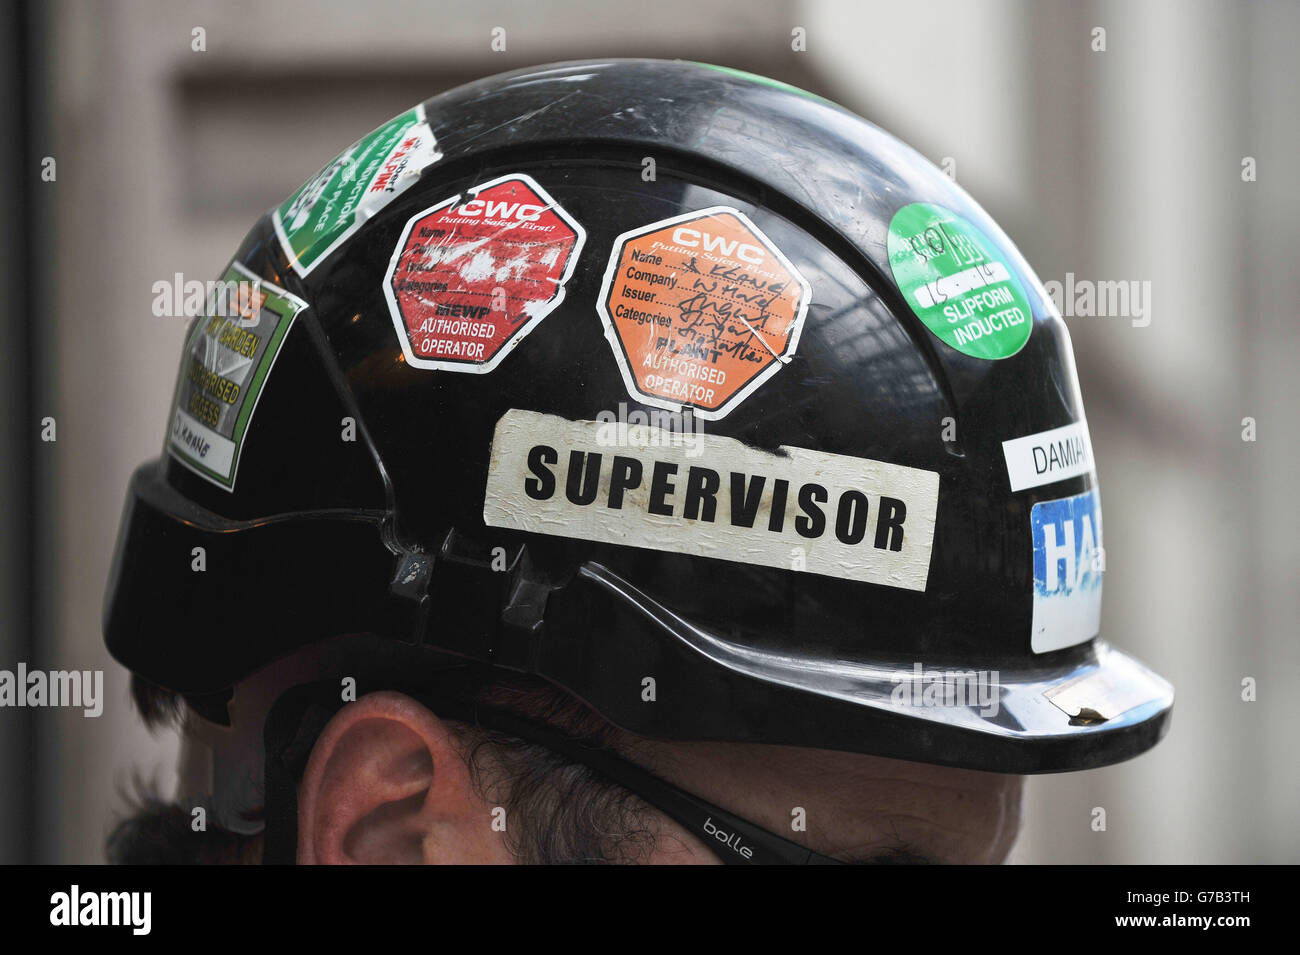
x=558 y=811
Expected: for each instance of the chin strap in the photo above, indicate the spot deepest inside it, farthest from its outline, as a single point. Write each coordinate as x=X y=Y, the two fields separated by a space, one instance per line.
x=300 y=714
x=291 y=729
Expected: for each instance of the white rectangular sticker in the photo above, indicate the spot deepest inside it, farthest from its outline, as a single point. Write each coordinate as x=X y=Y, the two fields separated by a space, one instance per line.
x=1068 y=565
x=712 y=496
x=949 y=287
x=1048 y=456
x=198 y=441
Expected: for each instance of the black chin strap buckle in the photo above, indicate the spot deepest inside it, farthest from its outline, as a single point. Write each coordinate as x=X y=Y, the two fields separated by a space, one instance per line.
x=291 y=729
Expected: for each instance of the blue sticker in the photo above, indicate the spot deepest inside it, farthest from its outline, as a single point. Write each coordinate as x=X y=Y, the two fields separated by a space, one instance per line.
x=1069 y=561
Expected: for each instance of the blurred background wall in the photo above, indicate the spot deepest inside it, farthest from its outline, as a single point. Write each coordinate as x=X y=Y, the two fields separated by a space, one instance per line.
x=1122 y=164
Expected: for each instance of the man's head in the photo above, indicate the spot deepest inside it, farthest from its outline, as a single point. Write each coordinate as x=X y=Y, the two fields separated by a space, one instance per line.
x=390 y=781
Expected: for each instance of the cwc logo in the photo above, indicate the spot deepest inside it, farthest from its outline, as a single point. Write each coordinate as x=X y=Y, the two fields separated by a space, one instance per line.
x=694 y=239
x=488 y=209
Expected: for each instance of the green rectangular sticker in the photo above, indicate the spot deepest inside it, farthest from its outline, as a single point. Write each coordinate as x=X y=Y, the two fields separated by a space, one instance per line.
x=228 y=355
x=364 y=178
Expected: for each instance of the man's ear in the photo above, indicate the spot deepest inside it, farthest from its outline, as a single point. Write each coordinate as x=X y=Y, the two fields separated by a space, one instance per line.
x=386 y=784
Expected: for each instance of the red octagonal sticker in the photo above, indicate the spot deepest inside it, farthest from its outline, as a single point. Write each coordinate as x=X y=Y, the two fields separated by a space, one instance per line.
x=474 y=274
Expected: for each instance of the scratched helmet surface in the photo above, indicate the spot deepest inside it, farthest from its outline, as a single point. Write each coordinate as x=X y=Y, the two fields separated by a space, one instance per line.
x=632 y=371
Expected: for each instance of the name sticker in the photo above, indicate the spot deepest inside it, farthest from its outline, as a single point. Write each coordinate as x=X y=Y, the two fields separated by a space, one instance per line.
x=1048 y=457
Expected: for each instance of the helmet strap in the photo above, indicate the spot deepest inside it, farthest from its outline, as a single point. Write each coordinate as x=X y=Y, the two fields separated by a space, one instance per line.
x=292 y=727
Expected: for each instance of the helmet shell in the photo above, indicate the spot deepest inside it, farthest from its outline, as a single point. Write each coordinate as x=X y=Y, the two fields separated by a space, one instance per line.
x=394 y=533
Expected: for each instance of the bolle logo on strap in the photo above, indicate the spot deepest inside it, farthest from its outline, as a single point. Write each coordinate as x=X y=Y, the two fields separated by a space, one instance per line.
x=730 y=840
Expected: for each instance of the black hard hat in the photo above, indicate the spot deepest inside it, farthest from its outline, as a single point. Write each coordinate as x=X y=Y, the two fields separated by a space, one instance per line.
x=629 y=371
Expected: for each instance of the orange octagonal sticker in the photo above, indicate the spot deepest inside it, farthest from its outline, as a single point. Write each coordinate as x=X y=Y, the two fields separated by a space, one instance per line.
x=700 y=310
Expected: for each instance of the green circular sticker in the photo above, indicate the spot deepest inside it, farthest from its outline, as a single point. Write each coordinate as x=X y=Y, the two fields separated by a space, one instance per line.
x=956 y=282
